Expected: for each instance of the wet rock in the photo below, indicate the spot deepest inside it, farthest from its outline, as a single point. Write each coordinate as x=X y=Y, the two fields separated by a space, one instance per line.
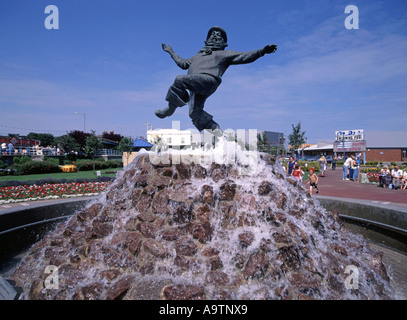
x=182 y=213
x=110 y=274
x=173 y=233
x=264 y=188
x=207 y=194
x=215 y=263
x=218 y=172
x=202 y=212
x=120 y=287
x=160 y=202
x=185 y=263
x=102 y=229
x=147 y=229
x=177 y=221
x=186 y=247
x=218 y=278
x=290 y=257
x=200 y=230
x=256 y=265
x=184 y=171
x=199 y=172
x=246 y=238
x=156 y=248
x=227 y=191
x=183 y=292
x=146 y=217
x=92 y=291
x=90 y=212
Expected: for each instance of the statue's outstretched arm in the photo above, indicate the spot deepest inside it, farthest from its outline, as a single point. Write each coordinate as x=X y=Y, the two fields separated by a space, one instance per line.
x=182 y=63
x=270 y=48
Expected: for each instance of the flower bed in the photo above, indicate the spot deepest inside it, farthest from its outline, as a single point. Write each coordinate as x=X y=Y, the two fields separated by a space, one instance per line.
x=370 y=177
x=50 y=191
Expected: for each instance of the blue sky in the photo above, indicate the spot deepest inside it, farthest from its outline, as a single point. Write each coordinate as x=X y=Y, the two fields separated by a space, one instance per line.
x=106 y=61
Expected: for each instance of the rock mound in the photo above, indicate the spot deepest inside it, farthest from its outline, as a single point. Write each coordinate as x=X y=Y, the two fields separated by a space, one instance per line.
x=191 y=230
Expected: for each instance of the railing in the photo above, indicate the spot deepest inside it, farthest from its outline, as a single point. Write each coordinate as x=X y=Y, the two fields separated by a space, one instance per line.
x=53 y=151
x=33 y=151
x=108 y=152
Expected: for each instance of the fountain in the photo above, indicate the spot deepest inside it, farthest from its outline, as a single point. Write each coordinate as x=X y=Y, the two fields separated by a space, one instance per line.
x=188 y=225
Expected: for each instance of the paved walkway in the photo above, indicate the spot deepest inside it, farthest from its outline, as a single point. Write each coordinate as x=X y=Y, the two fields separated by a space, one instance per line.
x=332 y=185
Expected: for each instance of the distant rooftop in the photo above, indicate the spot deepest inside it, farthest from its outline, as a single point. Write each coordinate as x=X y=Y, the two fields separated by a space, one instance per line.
x=386 y=139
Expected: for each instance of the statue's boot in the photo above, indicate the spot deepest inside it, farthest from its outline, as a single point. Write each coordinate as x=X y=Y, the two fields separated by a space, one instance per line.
x=174 y=101
x=165 y=112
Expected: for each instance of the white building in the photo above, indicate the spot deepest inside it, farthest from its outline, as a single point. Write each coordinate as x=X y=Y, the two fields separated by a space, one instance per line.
x=171 y=137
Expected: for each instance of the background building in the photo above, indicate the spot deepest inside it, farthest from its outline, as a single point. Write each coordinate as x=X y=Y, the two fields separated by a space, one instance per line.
x=380 y=146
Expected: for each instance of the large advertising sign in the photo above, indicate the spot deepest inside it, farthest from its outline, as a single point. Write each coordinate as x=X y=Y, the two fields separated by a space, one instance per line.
x=349 y=135
x=349 y=146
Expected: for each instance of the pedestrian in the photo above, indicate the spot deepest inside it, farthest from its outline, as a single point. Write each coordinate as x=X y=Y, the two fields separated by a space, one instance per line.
x=297 y=172
x=301 y=174
x=312 y=180
x=322 y=165
x=3 y=148
x=334 y=162
x=354 y=167
x=290 y=166
x=10 y=148
x=346 y=166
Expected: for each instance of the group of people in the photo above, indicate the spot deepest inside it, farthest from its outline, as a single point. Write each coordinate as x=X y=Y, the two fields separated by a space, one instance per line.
x=293 y=169
x=394 y=179
x=9 y=149
x=351 y=168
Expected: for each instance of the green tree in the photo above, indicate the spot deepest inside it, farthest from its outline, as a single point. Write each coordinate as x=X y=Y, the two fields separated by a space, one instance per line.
x=80 y=138
x=92 y=144
x=67 y=143
x=126 y=145
x=46 y=139
x=297 y=137
x=112 y=136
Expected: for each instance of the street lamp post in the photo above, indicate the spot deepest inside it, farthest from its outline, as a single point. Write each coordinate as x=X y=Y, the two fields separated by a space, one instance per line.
x=84 y=120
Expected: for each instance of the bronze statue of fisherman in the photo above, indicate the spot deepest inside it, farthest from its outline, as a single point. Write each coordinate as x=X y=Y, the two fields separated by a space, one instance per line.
x=205 y=71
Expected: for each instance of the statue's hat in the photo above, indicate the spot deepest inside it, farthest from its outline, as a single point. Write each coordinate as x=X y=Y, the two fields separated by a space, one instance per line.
x=221 y=30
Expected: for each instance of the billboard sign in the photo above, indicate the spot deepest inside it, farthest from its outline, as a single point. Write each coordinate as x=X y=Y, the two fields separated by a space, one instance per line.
x=349 y=135
x=350 y=146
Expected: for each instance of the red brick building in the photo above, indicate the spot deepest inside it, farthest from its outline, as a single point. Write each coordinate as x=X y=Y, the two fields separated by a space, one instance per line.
x=380 y=146
x=386 y=146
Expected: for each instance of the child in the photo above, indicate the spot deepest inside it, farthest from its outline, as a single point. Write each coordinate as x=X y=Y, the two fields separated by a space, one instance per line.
x=296 y=172
x=312 y=180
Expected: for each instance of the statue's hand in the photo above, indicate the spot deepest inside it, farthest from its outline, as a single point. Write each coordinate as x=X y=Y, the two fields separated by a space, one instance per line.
x=270 y=48
x=166 y=48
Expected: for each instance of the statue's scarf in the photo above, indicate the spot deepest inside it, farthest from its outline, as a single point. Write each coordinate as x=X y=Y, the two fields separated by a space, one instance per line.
x=208 y=48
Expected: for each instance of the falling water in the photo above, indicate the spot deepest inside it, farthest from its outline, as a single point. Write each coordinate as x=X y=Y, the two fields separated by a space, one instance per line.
x=220 y=224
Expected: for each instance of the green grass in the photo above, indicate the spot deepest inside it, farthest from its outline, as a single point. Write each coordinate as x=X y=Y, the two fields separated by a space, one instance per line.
x=61 y=175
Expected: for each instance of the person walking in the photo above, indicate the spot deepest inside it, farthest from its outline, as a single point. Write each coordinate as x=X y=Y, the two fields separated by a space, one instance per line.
x=322 y=165
x=334 y=162
x=346 y=166
x=290 y=166
x=312 y=181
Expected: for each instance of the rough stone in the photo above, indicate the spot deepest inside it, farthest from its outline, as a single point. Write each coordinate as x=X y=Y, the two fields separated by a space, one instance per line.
x=183 y=292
